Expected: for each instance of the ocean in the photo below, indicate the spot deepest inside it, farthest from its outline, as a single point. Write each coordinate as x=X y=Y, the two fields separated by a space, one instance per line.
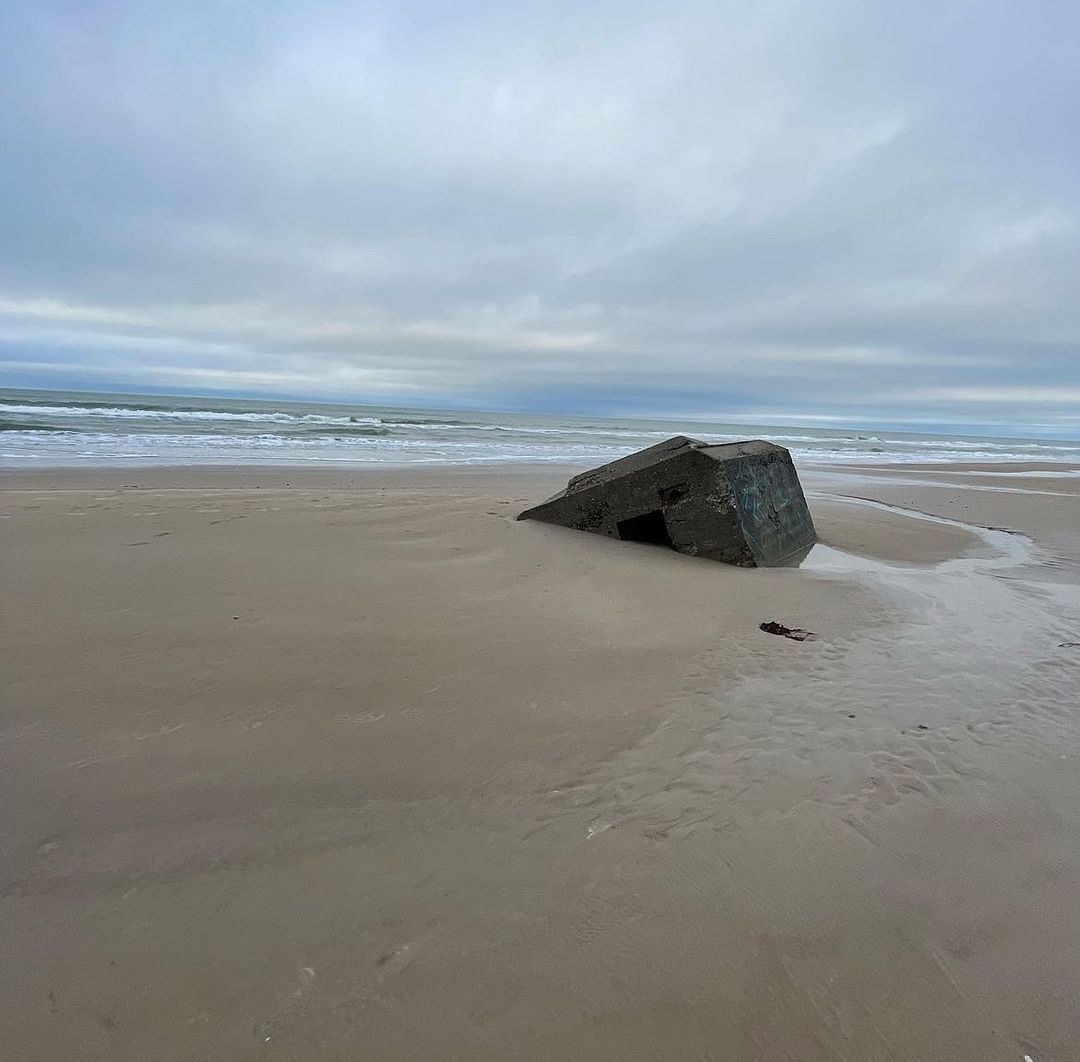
x=40 y=429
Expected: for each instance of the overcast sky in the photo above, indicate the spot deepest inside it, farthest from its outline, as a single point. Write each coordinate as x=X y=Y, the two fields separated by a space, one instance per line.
x=859 y=211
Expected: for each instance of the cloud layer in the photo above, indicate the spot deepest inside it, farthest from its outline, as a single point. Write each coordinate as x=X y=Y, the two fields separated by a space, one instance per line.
x=784 y=210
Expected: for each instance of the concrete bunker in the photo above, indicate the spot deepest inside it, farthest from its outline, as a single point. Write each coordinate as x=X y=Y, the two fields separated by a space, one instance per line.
x=741 y=503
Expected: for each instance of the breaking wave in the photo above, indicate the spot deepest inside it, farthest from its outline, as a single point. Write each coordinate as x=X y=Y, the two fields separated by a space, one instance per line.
x=40 y=428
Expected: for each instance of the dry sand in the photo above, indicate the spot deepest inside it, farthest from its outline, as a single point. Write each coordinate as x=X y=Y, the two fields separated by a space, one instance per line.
x=337 y=766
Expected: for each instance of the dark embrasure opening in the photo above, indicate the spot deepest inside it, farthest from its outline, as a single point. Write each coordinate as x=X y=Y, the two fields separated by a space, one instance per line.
x=649 y=527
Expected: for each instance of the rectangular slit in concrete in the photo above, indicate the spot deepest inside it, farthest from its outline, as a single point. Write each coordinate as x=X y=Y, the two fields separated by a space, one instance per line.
x=649 y=527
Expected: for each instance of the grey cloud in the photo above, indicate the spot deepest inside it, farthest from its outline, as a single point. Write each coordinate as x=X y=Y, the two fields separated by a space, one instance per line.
x=830 y=209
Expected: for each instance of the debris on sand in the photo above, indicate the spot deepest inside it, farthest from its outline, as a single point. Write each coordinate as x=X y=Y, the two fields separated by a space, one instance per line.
x=796 y=634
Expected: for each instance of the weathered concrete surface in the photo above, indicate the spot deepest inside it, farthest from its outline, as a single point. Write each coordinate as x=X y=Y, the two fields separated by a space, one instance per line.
x=741 y=503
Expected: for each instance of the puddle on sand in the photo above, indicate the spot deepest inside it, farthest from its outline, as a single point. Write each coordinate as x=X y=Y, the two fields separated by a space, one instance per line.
x=903 y=478
x=1009 y=549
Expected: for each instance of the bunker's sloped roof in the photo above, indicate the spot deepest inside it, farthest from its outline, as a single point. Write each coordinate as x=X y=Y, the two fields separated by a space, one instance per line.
x=623 y=466
x=747 y=448
x=677 y=446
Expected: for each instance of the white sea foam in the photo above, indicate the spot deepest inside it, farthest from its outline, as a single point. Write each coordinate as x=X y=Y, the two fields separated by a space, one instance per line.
x=59 y=429
x=152 y=414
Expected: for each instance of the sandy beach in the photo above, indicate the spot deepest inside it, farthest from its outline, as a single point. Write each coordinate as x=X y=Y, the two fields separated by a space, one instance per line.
x=346 y=765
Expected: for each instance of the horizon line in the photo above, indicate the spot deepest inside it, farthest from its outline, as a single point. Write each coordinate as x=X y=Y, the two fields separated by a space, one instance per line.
x=943 y=428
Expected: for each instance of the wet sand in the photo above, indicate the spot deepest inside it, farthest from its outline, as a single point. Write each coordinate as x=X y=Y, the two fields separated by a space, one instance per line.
x=331 y=765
